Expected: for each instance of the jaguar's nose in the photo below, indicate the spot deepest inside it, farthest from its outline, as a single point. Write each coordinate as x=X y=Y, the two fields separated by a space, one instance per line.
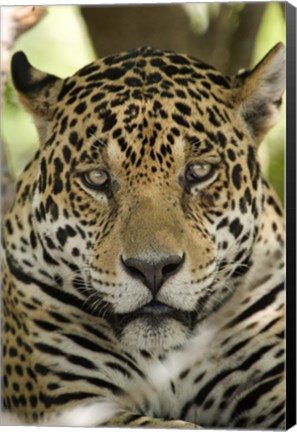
x=153 y=273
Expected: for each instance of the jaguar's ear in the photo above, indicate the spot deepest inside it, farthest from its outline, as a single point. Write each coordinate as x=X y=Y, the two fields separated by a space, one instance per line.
x=259 y=92
x=38 y=91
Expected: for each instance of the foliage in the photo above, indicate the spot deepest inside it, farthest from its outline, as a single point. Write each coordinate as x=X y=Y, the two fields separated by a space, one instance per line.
x=59 y=44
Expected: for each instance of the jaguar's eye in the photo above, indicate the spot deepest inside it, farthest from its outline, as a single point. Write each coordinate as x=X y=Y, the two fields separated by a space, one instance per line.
x=95 y=179
x=199 y=171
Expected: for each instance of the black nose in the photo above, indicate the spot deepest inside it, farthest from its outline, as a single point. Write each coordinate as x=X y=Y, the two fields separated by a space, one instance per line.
x=153 y=273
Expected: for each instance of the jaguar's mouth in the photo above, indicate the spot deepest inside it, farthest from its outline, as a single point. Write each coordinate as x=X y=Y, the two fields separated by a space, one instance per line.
x=155 y=308
x=153 y=314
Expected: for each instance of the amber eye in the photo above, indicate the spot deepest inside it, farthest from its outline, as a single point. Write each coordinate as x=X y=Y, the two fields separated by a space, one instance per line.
x=199 y=171
x=95 y=179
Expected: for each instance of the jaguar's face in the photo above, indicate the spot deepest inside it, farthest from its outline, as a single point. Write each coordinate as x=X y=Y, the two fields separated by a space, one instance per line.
x=159 y=209
x=148 y=194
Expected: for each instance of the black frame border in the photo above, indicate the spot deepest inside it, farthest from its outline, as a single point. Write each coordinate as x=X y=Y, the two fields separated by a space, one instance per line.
x=291 y=217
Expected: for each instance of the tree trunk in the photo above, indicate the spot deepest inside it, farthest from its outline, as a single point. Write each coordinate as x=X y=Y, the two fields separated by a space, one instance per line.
x=227 y=43
x=244 y=38
x=120 y=28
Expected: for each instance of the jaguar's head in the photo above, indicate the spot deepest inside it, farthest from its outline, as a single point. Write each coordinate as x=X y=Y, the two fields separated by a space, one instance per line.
x=144 y=200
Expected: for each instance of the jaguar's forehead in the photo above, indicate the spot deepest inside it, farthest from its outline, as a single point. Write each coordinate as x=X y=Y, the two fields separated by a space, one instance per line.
x=149 y=66
x=145 y=101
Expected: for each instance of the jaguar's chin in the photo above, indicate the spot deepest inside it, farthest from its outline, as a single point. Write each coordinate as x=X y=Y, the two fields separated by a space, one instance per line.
x=154 y=335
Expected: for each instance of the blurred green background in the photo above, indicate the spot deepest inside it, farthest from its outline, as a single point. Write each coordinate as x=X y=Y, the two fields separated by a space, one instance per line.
x=227 y=35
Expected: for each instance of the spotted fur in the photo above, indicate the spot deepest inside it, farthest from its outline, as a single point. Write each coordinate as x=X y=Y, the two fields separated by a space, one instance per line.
x=143 y=257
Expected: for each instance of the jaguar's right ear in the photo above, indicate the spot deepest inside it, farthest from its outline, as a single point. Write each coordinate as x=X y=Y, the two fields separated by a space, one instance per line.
x=38 y=91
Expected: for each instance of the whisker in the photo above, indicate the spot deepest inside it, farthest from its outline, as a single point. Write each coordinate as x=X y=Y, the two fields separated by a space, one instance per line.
x=97 y=141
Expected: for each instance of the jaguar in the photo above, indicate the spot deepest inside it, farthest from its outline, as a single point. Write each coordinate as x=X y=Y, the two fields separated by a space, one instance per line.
x=143 y=270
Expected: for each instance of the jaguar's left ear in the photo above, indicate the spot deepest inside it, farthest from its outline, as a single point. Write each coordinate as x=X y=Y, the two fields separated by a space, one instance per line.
x=38 y=91
x=260 y=92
